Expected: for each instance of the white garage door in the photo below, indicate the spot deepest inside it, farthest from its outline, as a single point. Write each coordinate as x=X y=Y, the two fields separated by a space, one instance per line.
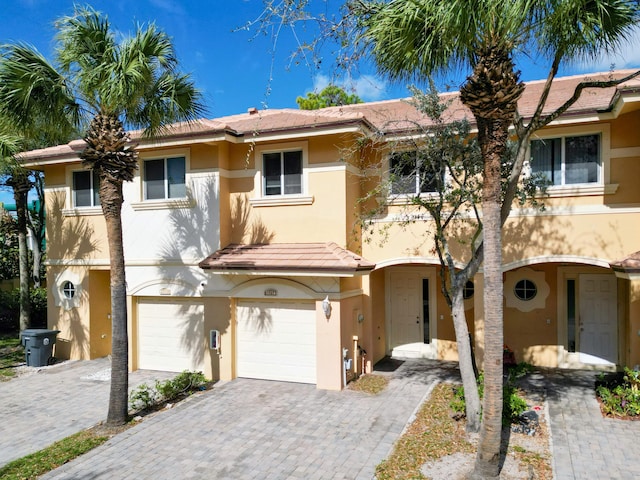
x=277 y=341
x=170 y=335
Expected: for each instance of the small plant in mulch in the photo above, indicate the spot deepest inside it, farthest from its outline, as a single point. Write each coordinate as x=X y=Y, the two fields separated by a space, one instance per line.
x=435 y=436
x=514 y=403
x=619 y=394
x=145 y=398
x=370 y=383
x=432 y=435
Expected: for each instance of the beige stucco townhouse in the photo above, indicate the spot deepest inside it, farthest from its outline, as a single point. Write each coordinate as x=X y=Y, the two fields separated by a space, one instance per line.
x=241 y=229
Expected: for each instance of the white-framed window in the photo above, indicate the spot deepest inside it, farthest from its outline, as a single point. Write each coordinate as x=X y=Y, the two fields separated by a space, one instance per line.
x=86 y=186
x=282 y=173
x=165 y=178
x=410 y=175
x=568 y=160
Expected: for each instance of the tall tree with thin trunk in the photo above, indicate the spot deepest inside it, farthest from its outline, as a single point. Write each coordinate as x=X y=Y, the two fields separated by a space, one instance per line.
x=114 y=84
x=411 y=39
x=18 y=179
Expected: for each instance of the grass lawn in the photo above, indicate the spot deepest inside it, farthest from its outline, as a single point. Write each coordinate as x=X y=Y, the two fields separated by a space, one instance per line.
x=45 y=460
x=11 y=356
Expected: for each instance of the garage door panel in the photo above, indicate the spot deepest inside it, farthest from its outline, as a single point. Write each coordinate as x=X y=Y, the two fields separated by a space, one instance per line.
x=282 y=350
x=170 y=335
x=276 y=341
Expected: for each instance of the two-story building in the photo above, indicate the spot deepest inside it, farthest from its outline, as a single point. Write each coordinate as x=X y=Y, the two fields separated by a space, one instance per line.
x=244 y=257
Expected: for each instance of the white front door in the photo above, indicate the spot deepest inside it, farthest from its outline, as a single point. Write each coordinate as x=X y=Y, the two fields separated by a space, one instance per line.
x=598 y=327
x=406 y=308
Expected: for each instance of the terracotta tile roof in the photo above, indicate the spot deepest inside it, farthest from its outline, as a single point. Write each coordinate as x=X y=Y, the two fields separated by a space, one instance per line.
x=389 y=117
x=631 y=264
x=290 y=257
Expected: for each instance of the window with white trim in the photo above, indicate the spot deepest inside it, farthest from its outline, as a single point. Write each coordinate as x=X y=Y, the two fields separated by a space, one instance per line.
x=282 y=173
x=568 y=160
x=411 y=175
x=86 y=186
x=165 y=178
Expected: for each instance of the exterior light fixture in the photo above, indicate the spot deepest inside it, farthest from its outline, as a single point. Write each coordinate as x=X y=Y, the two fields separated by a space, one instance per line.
x=326 y=307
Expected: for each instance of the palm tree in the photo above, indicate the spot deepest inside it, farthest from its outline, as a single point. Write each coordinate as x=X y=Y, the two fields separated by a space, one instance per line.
x=412 y=39
x=133 y=83
x=9 y=146
x=16 y=177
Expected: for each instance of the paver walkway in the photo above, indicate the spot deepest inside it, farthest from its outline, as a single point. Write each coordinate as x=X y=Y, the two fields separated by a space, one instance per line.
x=586 y=445
x=253 y=429
x=50 y=403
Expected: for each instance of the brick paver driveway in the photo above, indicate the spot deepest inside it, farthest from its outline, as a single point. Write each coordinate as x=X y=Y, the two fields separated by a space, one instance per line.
x=266 y=430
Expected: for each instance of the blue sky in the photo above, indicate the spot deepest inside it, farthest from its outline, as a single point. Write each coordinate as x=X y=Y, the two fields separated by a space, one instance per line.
x=232 y=68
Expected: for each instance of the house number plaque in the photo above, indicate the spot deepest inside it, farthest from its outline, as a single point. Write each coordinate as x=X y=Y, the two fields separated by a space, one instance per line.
x=271 y=292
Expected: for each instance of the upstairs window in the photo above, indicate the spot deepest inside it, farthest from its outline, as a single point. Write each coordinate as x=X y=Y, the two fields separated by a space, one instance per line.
x=410 y=176
x=567 y=160
x=86 y=187
x=165 y=178
x=282 y=173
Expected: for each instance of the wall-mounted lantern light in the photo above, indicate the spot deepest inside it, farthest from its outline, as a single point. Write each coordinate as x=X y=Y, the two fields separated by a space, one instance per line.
x=326 y=307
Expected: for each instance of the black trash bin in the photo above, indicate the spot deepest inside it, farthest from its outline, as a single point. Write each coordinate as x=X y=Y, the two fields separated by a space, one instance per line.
x=38 y=346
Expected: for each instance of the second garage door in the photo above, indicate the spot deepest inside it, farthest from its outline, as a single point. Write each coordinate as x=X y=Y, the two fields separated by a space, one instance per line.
x=170 y=334
x=276 y=341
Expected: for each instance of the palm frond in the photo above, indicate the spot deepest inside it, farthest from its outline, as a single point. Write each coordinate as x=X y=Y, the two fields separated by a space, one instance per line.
x=34 y=96
x=412 y=39
x=584 y=29
x=86 y=47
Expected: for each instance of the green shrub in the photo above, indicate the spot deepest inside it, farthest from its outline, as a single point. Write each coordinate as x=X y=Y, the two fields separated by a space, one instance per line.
x=185 y=382
x=142 y=398
x=145 y=397
x=10 y=309
x=513 y=404
x=38 y=298
x=619 y=393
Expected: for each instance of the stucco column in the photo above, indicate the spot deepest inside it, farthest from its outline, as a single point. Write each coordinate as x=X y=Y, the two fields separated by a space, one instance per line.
x=634 y=321
x=131 y=329
x=328 y=348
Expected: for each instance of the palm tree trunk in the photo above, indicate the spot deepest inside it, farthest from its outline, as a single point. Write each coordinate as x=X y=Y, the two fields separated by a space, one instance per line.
x=492 y=136
x=20 y=184
x=111 y=201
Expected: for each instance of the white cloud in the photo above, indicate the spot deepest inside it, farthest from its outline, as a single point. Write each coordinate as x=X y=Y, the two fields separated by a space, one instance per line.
x=367 y=87
x=168 y=6
x=627 y=56
x=370 y=87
